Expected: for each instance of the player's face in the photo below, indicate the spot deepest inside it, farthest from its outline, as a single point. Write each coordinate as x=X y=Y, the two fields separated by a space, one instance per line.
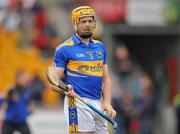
x=85 y=27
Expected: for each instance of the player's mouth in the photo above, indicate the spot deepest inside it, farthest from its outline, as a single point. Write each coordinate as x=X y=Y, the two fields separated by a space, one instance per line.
x=87 y=29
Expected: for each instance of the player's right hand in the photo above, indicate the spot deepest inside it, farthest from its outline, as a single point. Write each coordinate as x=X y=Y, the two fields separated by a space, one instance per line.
x=70 y=92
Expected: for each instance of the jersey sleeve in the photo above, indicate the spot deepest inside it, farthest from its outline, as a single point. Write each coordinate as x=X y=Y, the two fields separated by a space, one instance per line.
x=60 y=57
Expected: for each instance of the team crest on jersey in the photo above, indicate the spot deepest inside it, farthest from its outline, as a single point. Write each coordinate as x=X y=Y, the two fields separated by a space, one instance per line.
x=99 y=54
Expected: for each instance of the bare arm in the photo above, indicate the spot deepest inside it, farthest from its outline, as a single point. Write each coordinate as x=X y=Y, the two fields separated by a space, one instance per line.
x=107 y=93
x=60 y=73
x=106 y=85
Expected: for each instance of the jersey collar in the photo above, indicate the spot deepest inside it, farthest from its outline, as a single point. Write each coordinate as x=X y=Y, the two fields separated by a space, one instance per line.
x=78 y=41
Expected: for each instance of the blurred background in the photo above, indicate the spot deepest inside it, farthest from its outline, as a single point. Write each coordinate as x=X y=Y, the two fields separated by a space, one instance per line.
x=142 y=38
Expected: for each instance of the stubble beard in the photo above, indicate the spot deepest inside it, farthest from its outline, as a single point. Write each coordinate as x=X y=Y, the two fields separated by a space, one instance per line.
x=85 y=35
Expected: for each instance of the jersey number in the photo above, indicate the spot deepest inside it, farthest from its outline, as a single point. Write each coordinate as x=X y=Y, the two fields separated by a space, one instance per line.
x=90 y=55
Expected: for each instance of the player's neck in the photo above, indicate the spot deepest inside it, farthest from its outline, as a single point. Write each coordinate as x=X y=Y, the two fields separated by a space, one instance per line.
x=84 y=40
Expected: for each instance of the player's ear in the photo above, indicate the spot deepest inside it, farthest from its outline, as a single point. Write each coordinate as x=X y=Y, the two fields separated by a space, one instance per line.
x=75 y=26
x=94 y=24
x=95 y=21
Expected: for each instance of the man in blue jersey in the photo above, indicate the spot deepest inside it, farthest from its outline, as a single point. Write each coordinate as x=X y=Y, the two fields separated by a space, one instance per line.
x=83 y=62
x=16 y=106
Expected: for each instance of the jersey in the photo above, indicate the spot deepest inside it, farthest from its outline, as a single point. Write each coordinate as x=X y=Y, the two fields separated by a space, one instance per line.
x=18 y=110
x=83 y=65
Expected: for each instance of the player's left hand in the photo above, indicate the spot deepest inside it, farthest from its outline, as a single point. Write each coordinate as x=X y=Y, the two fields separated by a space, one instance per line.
x=109 y=110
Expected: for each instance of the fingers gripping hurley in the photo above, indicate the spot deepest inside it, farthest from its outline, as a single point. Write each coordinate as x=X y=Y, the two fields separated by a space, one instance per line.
x=54 y=80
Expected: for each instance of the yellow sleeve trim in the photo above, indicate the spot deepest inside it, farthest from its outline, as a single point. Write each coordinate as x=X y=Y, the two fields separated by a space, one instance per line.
x=96 y=41
x=67 y=43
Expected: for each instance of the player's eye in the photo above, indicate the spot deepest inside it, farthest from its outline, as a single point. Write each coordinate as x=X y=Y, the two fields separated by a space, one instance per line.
x=90 y=21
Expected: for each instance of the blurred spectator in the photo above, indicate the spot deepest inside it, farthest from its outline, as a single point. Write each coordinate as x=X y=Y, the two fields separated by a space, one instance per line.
x=12 y=19
x=135 y=98
x=40 y=16
x=28 y=4
x=177 y=107
x=17 y=106
x=124 y=105
x=45 y=32
x=128 y=71
x=26 y=26
x=49 y=30
x=37 y=86
x=1 y=116
x=43 y=43
x=26 y=29
x=146 y=105
x=37 y=7
x=129 y=90
x=1 y=100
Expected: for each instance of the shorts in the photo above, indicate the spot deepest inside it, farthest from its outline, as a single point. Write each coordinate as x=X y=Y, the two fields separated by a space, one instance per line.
x=80 y=118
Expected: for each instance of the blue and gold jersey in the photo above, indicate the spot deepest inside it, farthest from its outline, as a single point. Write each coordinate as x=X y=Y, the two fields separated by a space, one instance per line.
x=83 y=65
